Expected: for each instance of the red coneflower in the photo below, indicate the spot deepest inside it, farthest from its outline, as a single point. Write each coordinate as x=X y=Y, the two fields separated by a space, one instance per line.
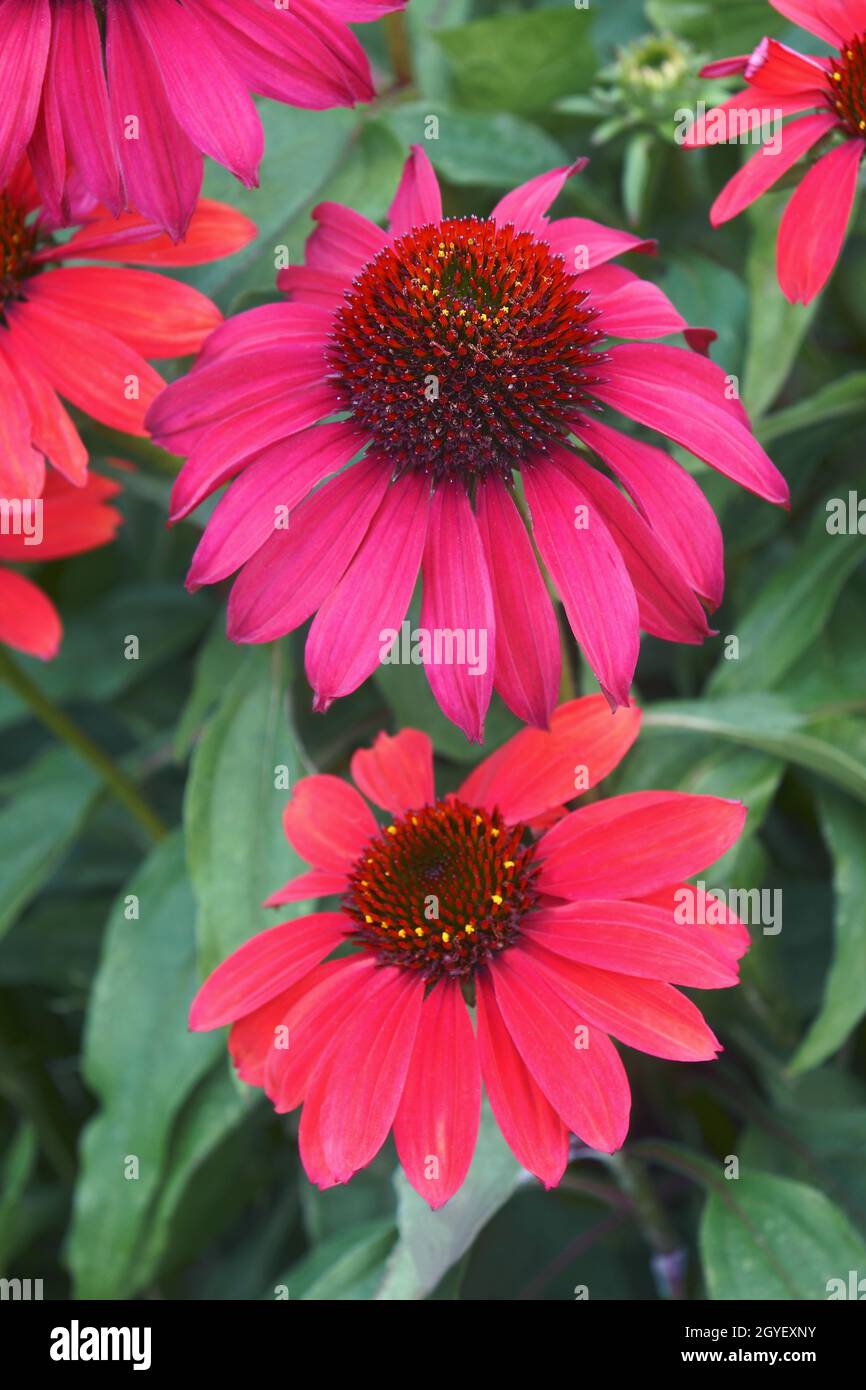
x=783 y=82
x=71 y=520
x=84 y=332
x=129 y=94
x=557 y=941
x=462 y=349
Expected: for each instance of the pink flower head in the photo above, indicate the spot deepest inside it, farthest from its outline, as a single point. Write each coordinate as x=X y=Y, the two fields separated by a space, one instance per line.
x=130 y=94
x=559 y=940
x=64 y=521
x=459 y=350
x=782 y=82
x=84 y=332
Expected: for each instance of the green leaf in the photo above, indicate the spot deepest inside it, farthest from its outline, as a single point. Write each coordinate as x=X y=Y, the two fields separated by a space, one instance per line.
x=344 y=1266
x=837 y=403
x=218 y=663
x=432 y=1241
x=141 y=1062
x=764 y=1237
x=237 y=852
x=45 y=809
x=521 y=62
x=497 y=151
x=844 y=827
x=637 y=172
x=790 y=612
x=736 y=27
x=776 y=328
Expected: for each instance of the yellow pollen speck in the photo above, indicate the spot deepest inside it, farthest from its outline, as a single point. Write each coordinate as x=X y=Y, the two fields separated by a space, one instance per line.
x=384 y=924
x=850 y=54
x=469 y=929
x=367 y=919
x=419 y=931
x=478 y=820
x=402 y=931
x=414 y=820
x=392 y=830
x=365 y=883
x=837 y=77
x=863 y=125
x=509 y=863
x=445 y=937
x=435 y=292
x=494 y=832
x=497 y=899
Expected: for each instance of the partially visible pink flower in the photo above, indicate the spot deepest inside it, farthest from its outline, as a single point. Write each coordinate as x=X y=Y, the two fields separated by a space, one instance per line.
x=129 y=94
x=782 y=82
x=462 y=349
x=560 y=941
x=86 y=331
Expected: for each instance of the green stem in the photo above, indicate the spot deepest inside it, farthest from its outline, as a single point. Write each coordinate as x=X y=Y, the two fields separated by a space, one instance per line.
x=102 y=440
x=64 y=728
x=28 y=1085
x=399 y=48
x=659 y=1234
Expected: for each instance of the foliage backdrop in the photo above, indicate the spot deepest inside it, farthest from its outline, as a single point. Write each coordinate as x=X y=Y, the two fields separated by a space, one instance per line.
x=96 y=1065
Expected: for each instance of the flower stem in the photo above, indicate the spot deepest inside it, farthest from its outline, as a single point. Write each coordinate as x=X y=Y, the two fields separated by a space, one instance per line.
x=64 y=728
x=668 y=1255
x=399 y=48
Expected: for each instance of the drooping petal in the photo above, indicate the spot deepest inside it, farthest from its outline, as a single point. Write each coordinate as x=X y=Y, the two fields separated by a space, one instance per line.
x=632 y=845
x=779 y=70
x=768 y=165
x=418 y=200
x=23 y=56
x=28 y=619
x=539 y=769
x=584 y=244
x=530 y=1126
x=645 y=385
x=528 y=660
x=353 y=625
x=215 y=230
x=815 y=221
x=527 y=205
x=161 y=317
x=670 y=500
x=294 y=571
x=368 y=1070
x=716 y=923
x=745 y=113
x=632 y=939
x=586 y=1085
x=22 y=468
x=343 y=241
x=589 y=573
x=254 y=1039
x=331 y=995
x=457 y=600
x=645 y=1014
x=816 y=17
x=78 y=78
x=265 y=966
x=436 y=1124
x=315 y=883
x=328 y=823
x=396 y=773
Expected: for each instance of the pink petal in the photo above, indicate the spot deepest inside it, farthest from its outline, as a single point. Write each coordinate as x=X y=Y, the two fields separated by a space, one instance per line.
x=331 y=995
x=436 y=1124
x=249 y=512
x=82 y=100
x=51 y=429
x=328 y=823
x=683 y=397
x=527 y=205
x=457 y=597
x=644 y=1014
x=418 y=200
x=632 y=845
x=782 y=71
x=29 y=622
x=589 y=573
x=537 y=770
x=343 y=242
x=208 y=99
x=631 y=939
x=725 y=932
x=22 y=468
x=817 y=18
x=161 y=317
x=814 y=223
x=630 y=307
x=672 y=503
x=268 y=324
x=528 y=662
x=23 y=57
x=530 y=1126
x=295 y=570
x=397 y=773
x=743 y=114
x=584 y=244
x=767 y=166
x=215 y=230
x=587 y=1086
x=667 y=605
x=265 y=966
x=315 y=883
x=251 y=1040
x=368 y=1070
x=346 y=639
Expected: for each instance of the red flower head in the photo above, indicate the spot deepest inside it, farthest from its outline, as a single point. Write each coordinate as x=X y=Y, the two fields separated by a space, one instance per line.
x=558 y=940
x=65 y=521
x=129 y=96
x=85 y=332
x=782 y=82
x=462 y=349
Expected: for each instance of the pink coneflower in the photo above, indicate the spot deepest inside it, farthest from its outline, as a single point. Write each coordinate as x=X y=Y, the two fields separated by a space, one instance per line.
x=558 y=940
x=84 y=332
x=461 y=349
x=129 y=94
x=783 y=82
x=71 y=520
